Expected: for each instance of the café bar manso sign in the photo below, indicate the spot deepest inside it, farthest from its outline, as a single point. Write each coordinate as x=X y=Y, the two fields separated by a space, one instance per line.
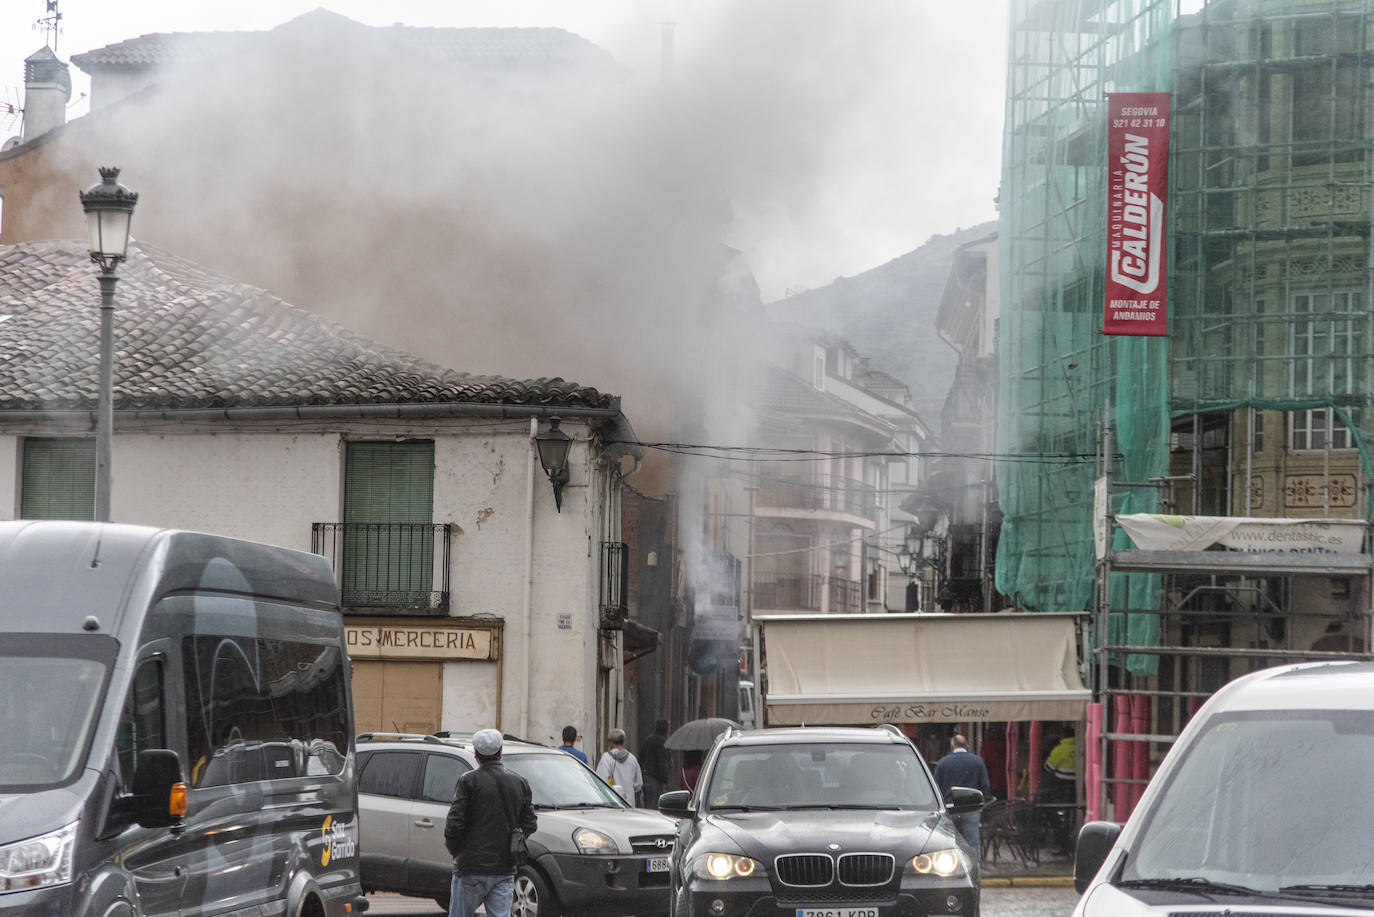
x=393 y=640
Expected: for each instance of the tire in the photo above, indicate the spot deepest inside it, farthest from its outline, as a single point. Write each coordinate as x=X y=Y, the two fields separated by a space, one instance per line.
x=442 y=901
x=533 y=897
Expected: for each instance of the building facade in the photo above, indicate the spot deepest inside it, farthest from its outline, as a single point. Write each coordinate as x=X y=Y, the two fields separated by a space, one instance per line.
x=472 y=600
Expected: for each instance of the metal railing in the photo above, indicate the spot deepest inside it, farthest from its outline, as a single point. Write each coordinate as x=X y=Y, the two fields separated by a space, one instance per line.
x=805 y=592
x=615 y=585
x=847 y=496
x=396 y=568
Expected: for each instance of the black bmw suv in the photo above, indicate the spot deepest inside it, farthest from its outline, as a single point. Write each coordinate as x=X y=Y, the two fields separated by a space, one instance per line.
x=819 y=822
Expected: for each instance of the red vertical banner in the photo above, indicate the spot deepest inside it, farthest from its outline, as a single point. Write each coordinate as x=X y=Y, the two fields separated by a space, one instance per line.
x=1137 y=196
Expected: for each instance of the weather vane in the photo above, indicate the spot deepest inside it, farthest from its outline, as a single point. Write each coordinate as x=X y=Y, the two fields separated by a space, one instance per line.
x=51 y=23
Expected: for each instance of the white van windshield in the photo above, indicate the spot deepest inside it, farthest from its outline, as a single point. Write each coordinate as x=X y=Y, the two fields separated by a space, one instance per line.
x=47 y=707
x=1272 y=801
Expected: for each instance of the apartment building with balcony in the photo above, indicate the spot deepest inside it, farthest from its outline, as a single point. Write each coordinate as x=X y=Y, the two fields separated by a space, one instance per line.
x=472 y=598
x=839 y=448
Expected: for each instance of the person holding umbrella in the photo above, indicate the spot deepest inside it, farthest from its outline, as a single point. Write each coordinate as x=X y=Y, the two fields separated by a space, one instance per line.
x=693 y=738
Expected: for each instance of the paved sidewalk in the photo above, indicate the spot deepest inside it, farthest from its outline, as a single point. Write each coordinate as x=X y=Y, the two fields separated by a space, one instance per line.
x=1003 y=869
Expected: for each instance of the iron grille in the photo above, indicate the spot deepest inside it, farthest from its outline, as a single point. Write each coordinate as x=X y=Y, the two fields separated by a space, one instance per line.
x=615 y=585
x=807 y=870
x=387 y=568
x=866 y=868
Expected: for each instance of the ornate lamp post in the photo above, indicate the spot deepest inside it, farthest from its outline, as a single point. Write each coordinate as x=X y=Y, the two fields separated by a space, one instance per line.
x=109 y=210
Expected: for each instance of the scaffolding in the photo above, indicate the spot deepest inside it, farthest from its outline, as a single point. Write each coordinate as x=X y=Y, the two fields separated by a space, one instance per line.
x=1257 y=401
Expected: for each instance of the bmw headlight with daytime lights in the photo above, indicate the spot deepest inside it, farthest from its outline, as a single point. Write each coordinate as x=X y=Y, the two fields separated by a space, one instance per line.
x=722 y=866
x=943 y=863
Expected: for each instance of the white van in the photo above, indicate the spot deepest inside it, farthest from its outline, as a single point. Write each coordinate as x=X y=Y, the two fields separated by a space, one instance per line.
x=1265 y=804
x=746 y=705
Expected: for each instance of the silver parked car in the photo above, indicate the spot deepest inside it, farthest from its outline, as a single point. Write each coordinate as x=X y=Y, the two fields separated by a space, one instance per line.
x=592 y=854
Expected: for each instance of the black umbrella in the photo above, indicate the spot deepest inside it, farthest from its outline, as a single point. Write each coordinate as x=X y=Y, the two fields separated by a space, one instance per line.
x=699 y=734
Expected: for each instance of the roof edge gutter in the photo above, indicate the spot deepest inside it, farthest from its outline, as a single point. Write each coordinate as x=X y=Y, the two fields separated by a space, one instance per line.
x=319 y=412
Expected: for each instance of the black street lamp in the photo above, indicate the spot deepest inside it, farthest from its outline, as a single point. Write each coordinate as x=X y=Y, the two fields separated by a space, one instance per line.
x=553 y=455
x=109 y=210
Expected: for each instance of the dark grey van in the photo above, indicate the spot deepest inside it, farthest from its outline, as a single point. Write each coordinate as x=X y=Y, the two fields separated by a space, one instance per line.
x=175 y=727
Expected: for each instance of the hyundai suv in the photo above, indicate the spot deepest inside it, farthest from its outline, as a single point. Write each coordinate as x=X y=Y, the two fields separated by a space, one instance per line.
x=591 y=853
x=819 y=822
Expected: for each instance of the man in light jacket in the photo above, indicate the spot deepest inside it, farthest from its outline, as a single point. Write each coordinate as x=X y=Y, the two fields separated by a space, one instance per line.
x=620 y=769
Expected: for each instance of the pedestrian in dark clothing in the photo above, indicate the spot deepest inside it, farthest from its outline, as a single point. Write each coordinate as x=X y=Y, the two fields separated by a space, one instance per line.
x=653 y=761
x=490 y=802
x=962 y=767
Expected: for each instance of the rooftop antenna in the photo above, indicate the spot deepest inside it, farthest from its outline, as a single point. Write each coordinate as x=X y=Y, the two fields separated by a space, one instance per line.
x=51 y=24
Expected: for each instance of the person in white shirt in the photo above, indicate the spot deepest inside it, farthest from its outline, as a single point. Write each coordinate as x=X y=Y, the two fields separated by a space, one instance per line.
x=620 y=769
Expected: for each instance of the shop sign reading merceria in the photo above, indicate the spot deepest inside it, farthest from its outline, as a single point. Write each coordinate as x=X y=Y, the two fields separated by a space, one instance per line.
x=418 y=641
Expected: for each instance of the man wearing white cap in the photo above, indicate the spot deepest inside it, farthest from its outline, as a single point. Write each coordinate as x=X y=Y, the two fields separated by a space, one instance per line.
x=490 y=803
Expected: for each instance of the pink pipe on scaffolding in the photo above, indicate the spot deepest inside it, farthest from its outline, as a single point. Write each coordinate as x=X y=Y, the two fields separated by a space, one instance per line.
x=1036 y=764
x=1121 y=759
x=1140 y=751
x=1092 y=763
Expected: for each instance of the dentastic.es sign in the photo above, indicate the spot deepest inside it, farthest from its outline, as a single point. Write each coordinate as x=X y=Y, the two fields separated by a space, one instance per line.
x=1137 y=188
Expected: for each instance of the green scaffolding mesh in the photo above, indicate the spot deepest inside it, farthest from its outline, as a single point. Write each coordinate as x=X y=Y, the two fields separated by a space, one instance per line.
x=1270 y=279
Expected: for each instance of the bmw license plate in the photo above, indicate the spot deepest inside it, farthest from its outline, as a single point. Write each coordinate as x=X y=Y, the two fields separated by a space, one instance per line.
x=837 y=912
x=660 y=864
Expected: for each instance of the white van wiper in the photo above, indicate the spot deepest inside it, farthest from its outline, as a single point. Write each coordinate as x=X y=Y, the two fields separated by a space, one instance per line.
x=1316 y=889
x=1189 y=883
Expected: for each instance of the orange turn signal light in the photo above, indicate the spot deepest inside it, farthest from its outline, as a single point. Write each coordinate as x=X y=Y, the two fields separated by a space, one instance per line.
x=176 y=800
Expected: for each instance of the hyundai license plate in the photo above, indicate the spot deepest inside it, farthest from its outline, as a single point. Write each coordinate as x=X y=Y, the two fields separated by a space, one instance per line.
x=837 y=912
x=660 y=864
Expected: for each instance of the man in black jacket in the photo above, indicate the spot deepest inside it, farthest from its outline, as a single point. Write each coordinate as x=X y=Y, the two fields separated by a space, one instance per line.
x=490 y=803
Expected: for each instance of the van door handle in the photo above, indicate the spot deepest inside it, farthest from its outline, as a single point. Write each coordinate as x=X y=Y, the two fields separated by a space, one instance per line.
x=423 y=823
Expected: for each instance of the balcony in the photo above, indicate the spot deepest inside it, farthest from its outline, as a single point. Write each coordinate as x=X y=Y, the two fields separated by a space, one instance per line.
x=615 y=585
x=388 y=568
x=854 y=498
x=807 y=592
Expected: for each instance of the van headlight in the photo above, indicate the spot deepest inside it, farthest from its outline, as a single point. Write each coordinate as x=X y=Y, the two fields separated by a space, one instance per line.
x=38 y=861
x=946 y=863
x=725 y=866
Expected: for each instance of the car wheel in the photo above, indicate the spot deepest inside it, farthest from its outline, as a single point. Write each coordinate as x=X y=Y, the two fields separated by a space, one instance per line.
x=532 y=898
x=442 y=901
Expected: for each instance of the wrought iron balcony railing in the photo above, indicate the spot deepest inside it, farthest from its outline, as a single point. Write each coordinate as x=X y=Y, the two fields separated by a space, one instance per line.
x=615 y=585
x=853 y=497
x=388 y=568
x=806 y=592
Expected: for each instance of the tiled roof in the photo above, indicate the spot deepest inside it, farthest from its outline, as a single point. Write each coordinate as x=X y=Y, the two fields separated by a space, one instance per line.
x=543 y=47
x=187 y=338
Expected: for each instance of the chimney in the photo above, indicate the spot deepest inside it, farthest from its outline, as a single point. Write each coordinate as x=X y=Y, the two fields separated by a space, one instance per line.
x=47 y=87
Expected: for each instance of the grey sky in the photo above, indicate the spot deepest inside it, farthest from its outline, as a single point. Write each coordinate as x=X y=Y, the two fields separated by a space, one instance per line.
x=871 y=124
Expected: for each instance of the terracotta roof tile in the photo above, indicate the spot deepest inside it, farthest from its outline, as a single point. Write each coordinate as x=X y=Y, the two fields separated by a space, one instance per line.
x=188 y=338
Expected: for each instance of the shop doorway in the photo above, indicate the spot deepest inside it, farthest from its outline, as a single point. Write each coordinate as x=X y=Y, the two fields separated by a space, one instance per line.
x=397 y=696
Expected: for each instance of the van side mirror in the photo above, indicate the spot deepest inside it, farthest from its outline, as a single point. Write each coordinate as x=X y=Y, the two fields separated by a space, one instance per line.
x=964 y=799
x=159 y=796
x=1095 y=840
x=674 y=804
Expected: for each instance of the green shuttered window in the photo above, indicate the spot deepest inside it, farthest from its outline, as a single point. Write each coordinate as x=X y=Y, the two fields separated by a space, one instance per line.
x=58 y=478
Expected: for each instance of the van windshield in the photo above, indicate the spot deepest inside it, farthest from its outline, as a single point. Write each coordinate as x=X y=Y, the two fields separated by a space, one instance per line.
x=1269 y=801
x=50 y=692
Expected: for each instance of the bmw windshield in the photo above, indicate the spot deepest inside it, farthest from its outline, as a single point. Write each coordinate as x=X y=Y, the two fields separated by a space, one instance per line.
x=1271 y=802
x=51 y=689
x=836 y=776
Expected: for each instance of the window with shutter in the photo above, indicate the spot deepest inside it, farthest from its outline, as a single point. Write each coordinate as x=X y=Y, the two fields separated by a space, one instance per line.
x=388 y=557
x=58 y=478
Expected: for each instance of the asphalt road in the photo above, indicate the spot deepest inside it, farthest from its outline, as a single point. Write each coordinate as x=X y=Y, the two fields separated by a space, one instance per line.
x=997 y=902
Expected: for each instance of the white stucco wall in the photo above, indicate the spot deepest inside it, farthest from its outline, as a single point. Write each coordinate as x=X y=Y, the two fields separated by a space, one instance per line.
x=270 y=486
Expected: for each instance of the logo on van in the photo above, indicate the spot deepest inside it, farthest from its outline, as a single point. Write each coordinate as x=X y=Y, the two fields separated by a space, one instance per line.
x=340 y=841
